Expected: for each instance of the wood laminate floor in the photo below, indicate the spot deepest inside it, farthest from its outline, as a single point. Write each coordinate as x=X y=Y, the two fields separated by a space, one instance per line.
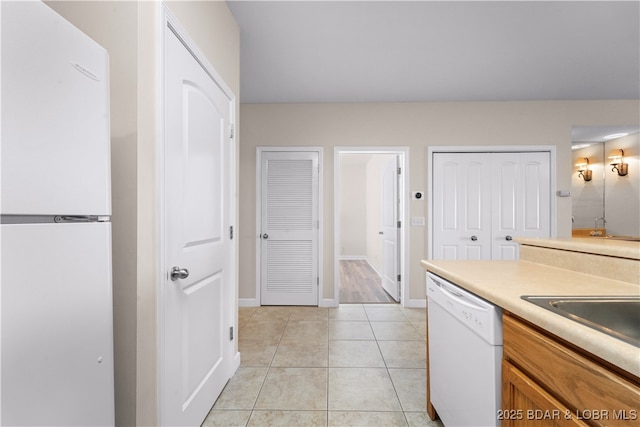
x=359 y=283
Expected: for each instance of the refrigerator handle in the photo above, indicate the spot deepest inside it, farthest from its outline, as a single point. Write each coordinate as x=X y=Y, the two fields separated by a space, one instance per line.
x=80 y=218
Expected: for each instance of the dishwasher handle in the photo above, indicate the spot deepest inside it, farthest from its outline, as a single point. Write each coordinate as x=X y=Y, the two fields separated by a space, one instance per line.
x=460 y=298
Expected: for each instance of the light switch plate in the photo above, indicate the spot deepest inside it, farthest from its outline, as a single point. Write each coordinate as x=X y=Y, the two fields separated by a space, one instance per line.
x=417 y=221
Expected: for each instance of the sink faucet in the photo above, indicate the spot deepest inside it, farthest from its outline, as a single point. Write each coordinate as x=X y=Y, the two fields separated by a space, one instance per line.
x=604 y=221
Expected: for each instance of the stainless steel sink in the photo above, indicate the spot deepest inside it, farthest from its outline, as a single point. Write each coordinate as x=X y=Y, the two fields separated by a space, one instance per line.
x=617 y=316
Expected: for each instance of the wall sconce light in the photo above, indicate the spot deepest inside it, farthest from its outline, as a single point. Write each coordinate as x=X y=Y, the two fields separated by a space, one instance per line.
x=617 y=162
x=583 y=169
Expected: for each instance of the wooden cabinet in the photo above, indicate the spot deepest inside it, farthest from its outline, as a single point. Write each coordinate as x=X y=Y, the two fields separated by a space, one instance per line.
x=546 y=382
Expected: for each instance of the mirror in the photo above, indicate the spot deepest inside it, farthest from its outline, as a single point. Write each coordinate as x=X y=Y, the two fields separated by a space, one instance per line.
x=603 y=202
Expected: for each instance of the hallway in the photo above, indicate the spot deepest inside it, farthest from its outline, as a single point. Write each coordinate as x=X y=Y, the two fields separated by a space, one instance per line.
x=359 y=283
x=355 y=365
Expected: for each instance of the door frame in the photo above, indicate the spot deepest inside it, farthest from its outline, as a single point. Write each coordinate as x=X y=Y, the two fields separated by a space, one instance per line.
x=551 y=149
x=403 y=216
x=320 y=150
x=168 y=22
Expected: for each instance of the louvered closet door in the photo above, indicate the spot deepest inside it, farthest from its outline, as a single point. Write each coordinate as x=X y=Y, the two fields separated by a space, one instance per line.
x=289 y=235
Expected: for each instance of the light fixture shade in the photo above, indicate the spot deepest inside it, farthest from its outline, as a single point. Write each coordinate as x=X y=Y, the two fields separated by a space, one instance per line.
x=583 y=169
x=583 y=162
x=618 y=163
x=616 y=154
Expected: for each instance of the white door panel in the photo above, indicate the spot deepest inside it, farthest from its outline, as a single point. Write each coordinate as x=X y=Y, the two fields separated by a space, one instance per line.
x=390 y=229
x=197 y=175
x=462 y=214
x=521 y=200
x=289 y=228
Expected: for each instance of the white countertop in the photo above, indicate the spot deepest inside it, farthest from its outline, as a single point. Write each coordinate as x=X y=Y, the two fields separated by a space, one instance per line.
x=592 y=245
x=504 y=282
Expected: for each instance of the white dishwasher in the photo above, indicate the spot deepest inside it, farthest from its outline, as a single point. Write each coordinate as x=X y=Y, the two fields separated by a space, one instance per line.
x=465 y=354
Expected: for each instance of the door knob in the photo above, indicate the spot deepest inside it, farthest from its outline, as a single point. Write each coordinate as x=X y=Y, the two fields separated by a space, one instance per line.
x=509 y=238
x=474 y=238
x=179 y=273
x=265 y=236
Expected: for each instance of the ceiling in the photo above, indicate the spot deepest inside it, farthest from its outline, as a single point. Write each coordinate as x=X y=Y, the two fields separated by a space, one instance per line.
x=583 y=136
x=402 y=51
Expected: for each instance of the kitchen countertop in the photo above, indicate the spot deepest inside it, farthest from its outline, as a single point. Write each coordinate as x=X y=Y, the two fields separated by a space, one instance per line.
x=592 y=245
x=504 y=282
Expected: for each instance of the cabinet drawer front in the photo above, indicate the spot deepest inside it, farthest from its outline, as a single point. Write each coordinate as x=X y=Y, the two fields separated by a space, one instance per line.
x=586 y=387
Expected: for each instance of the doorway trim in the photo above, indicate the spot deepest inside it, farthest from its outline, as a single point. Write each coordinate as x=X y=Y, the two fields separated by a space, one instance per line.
x=403 y=182
x=320 y=150
x=551 y=149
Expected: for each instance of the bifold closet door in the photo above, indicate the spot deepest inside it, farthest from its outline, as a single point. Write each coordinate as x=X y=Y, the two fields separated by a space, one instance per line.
x=483 y=201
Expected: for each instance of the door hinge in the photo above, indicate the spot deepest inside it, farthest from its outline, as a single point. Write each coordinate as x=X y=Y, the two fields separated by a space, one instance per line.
x=399 y=278
x=231 y=233
x=231 y=333
x=232 y=132
x=399 y=224
x=399 y=171
x=318 y=281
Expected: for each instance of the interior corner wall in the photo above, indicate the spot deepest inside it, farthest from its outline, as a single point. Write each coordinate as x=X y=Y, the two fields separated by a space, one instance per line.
x=417 y=126
x=622 y=193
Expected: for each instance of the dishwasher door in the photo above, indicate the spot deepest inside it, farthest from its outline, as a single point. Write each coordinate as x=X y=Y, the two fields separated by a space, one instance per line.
x=465 y=353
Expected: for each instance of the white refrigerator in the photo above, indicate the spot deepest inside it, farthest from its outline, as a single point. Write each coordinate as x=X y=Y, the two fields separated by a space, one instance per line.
x=56 y=325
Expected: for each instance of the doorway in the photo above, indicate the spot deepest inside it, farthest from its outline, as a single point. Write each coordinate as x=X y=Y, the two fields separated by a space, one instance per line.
x=369 y=223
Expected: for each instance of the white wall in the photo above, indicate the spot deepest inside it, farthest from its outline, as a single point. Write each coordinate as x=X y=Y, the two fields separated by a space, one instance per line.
x=416 y=125
x=353 y=206
x=129 y=31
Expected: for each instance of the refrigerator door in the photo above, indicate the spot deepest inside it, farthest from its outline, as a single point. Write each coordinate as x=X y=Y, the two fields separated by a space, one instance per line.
x=55 y=115
x=57 y=348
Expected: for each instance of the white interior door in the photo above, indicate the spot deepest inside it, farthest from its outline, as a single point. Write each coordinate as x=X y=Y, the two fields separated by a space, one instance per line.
x=390 y=229
x=197 y=157
x=461 y=206
x=289 y=228
x=521 y=200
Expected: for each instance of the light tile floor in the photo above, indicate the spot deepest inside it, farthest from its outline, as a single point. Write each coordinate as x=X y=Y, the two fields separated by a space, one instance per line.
x=355 y=365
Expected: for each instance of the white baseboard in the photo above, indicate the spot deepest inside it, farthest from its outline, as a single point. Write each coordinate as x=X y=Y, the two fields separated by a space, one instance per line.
x=248 y=302
x=328 y=302
x=415 y=303
x=236 y=362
